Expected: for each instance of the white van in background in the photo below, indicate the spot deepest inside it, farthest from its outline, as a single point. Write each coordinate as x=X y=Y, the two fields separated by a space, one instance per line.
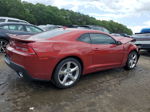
x=9 y=19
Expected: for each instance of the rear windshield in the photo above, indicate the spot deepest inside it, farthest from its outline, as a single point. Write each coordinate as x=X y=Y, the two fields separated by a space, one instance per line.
x=49 y=34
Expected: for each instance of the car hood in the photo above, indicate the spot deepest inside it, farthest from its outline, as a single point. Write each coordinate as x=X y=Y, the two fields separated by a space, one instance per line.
x=123 y=39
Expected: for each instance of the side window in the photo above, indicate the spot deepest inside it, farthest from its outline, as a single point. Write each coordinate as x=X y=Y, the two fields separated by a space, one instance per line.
x=20 y=28
x=33 y=29
x=10 y=20
x=85 y=38
x=5 y=27
x=2 y=20
x=13 y=27
x=101 y=39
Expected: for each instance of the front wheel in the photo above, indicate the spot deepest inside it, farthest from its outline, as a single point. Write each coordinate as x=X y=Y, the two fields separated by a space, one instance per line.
x=132 y=60
x=67 y=73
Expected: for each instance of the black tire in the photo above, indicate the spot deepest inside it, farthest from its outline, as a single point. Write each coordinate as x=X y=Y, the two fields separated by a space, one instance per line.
x=3 y=44
x=57 y=81
x=128 y=65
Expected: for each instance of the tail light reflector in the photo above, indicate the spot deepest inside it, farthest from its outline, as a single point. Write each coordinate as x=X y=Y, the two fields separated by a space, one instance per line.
x=22 y=47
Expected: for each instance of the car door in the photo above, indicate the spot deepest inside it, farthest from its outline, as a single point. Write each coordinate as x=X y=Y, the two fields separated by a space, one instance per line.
x=106 y=53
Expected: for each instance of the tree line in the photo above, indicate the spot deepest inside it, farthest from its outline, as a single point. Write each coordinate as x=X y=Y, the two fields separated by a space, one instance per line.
x=41 y=14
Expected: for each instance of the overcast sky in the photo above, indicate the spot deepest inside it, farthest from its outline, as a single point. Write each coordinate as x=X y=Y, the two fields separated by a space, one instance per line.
x=135 y=14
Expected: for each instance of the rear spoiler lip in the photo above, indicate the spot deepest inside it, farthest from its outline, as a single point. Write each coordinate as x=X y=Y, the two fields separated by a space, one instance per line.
x=14 y=37
x=22 y=40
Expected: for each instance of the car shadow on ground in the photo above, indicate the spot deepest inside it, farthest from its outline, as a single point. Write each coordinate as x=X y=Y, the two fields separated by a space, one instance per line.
x=85 y=80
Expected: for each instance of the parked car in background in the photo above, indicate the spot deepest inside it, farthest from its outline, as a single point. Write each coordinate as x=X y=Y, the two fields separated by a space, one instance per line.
x=145 y=30
x=115 y=34
x=63 y=55
x=16 y=29
x=125 y=35
x=100 y=28
x=92 y=27
x=9 y=19
x=49 y=27
x=142 y=40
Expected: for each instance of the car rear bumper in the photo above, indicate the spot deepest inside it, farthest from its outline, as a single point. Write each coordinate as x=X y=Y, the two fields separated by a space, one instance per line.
x=21 y=71
x=144 y=46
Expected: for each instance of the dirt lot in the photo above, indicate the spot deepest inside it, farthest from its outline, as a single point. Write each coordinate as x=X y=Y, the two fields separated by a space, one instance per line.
x=114 y=90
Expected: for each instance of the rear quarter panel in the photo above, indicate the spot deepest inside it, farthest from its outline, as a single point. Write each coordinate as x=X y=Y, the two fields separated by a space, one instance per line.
x=55 y=51
x=74 y=49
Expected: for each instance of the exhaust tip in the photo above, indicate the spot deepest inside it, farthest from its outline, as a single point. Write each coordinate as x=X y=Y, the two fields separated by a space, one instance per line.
x=20 y=74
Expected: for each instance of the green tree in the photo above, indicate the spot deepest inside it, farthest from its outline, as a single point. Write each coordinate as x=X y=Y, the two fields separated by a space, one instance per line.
x=41 y=14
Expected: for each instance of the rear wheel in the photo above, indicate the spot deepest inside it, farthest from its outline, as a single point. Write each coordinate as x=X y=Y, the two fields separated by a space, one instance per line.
x=132 y=60
x=3 y=44
x=67 y=73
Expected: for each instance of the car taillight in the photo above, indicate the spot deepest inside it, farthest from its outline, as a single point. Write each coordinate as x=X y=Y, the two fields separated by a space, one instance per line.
x=22 y=47
x=27 y=49
x=11 y=43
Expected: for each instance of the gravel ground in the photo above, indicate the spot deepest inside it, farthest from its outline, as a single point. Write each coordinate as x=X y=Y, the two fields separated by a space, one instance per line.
x=115 y=90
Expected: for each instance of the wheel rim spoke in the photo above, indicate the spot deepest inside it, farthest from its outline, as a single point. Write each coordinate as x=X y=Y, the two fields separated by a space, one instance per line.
x=74 y=69
x=134 y=56
x=72 y=77
x=62 y=73
x=65 y=79
x=68 y=65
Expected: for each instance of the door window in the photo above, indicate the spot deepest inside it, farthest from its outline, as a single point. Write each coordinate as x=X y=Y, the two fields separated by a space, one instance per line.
x=13 y=27
x=2 y=20
x=10 y=20
x=5 y=27
x=33 y=29
x=101 y=39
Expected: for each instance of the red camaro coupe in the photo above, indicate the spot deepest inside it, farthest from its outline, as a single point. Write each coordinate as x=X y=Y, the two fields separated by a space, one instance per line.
x=63 y=55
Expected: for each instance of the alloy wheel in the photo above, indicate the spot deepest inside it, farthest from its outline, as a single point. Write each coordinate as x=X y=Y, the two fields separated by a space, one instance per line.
x=133 y=60
x=68 y=73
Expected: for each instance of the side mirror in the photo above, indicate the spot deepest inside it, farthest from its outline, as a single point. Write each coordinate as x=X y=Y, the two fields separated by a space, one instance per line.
x=118 y=43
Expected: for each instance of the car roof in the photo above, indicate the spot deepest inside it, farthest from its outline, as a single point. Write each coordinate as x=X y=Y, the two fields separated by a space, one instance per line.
x=85 y=30
x=9 y=18
x=4 y=23
x=17 y=23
